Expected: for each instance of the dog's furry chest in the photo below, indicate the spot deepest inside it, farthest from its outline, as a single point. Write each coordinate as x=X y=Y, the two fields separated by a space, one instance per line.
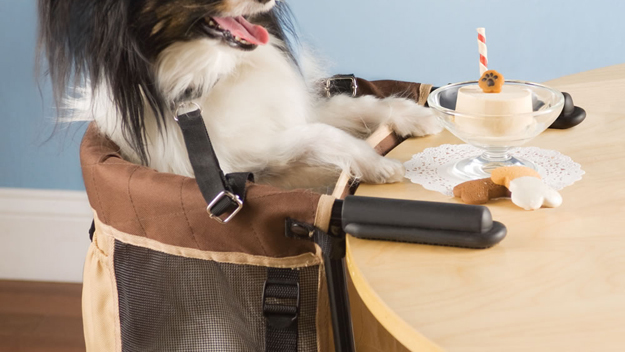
x=264 y=96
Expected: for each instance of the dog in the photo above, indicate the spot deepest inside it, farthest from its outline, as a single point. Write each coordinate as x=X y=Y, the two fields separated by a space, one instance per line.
x=129 y=64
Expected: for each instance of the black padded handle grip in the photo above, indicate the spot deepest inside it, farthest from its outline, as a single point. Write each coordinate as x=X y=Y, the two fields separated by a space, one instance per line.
x=445 y=224
x=427 y=236
x=412 y=213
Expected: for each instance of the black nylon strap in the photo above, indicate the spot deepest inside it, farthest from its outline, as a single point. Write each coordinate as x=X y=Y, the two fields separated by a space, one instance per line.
x=281 y=301
x=208 y=174
x=92 y=230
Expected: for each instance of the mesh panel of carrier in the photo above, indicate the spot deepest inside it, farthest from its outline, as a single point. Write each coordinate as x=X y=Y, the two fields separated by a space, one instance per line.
x=172 y=303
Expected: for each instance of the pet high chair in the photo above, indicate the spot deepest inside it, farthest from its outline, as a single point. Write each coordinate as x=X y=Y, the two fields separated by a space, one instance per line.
x=260 y=268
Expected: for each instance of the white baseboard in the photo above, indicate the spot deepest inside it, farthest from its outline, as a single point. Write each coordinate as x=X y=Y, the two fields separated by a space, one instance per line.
x=43 y=234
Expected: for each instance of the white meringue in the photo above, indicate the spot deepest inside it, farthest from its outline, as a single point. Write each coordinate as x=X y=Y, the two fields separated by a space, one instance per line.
x=531 y=193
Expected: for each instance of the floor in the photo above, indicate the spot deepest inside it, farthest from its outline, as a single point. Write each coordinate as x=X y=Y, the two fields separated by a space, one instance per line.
x=40 y=317
x=46 y=317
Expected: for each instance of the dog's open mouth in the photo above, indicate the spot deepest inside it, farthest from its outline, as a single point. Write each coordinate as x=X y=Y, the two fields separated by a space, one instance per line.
x=237 y=32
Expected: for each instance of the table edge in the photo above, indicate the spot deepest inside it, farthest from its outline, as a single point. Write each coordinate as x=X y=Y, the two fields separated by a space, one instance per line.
x=395 y=325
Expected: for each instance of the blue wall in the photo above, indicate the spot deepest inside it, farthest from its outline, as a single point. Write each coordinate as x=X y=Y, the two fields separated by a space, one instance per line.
x=29 y=157
x=427 y=41
x=435 y=40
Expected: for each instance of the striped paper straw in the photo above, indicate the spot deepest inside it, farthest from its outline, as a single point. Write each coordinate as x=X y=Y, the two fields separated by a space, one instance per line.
x=481 y=42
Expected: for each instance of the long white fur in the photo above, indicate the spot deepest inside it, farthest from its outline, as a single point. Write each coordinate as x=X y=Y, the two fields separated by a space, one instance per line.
x=262 y=116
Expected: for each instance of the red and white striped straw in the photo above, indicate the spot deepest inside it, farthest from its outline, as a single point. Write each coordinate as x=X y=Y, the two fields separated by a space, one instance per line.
x=481 y=42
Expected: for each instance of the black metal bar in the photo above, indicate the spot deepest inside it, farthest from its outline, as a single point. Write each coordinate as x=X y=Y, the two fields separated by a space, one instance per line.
x=339 y=305
x=336 y=276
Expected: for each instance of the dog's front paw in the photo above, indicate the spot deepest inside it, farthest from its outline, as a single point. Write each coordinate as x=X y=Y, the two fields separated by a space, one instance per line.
x=382 y=170
x=410 y=119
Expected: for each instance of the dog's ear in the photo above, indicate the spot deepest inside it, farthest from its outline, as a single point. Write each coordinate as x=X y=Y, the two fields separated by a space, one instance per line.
x=91 y=42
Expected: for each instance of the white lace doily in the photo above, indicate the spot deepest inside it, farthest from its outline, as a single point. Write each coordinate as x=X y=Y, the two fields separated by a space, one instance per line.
x=430 y=168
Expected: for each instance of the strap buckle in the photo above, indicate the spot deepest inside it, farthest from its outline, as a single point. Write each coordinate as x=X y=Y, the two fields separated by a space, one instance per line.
x=276 y=295
x=184 y=105
x=233 y=197
x=339 y=84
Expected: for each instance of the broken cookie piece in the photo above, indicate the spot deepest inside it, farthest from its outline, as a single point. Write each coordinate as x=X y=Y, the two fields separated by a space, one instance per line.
x=480 y=191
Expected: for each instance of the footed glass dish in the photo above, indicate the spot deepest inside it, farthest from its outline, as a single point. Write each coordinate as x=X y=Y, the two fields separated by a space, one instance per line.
x=495 y=133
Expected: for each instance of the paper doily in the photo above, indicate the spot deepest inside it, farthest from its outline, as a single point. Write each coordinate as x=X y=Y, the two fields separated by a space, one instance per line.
x=430 y=168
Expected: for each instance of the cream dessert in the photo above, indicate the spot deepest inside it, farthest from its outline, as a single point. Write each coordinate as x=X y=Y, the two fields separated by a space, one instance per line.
x=494 y=114
x=505 y=110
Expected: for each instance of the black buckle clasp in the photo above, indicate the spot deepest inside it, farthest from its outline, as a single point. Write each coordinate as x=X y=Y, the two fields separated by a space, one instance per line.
x=278 y=297
x=341 y=84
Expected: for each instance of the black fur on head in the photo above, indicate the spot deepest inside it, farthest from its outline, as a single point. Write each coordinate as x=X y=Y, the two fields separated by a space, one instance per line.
x=116 y=42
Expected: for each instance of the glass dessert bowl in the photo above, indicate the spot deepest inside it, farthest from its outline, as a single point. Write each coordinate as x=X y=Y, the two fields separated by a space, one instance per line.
x=495 y=122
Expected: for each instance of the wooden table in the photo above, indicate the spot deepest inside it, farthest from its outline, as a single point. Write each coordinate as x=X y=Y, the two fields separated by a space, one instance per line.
x=556 y=283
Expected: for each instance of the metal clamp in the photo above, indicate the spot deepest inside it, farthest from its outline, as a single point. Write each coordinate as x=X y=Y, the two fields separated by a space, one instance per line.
x=217 y=199
x=330 y=82
x=185 y=104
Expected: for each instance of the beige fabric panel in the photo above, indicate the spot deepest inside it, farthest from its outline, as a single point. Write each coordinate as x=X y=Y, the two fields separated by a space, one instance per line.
x=300 y=261
x=325 y=340
x=99 y=297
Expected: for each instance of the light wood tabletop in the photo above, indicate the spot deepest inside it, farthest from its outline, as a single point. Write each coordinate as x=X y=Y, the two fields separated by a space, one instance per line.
x=555 y=283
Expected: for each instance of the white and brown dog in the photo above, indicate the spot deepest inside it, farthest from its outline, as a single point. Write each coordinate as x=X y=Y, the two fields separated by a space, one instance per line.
x=134 y=60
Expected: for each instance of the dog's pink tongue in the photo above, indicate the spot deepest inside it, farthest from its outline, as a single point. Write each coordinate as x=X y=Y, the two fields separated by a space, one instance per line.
x=241 y=28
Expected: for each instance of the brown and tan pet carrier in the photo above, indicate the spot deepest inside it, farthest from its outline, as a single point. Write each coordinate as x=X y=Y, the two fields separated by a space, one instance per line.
x=163 y=274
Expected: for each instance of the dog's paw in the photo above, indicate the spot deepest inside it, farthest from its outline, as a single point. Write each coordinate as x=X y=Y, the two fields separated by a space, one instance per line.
x=381 y=170
x=410 y=119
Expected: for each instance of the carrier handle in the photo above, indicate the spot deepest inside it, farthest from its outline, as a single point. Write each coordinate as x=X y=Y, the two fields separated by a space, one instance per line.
x=446 y=224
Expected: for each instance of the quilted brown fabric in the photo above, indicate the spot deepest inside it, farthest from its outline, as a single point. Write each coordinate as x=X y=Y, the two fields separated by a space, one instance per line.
x=170 y=209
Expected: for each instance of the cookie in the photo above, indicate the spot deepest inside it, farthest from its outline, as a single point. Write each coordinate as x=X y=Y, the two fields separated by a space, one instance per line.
x=479 y=191
x=531 y=193
x=491 y=82
x=503 y=175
